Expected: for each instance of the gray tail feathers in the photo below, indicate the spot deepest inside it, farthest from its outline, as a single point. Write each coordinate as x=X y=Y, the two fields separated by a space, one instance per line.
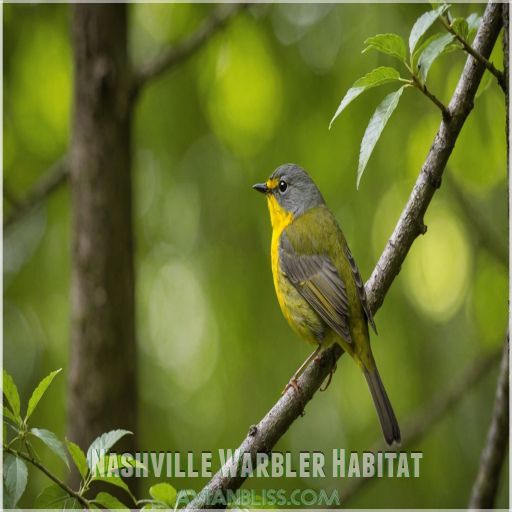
x=387 y=417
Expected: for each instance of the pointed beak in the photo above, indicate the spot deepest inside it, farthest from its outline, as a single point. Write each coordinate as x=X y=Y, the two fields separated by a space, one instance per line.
x=261 y=187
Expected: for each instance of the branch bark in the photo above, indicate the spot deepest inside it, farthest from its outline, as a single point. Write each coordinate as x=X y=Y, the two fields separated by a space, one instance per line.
x=51 y=181
x=484 y=490
x=173 y=56
x=263 y=436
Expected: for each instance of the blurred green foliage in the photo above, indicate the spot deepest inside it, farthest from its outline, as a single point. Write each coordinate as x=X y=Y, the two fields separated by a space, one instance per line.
x=215 y=351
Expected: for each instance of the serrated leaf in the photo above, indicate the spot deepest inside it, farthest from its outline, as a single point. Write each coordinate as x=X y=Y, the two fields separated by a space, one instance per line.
x=11 y=394
x=164 y=493
x=390 y=44
x=78 y=457
x=378 y=76
x=53 y=497
x=374 y=129
x=51 y=440
x=431 y=52
x=460 y=26
x=117 y=481
x=473 y=21
x=15 y=480
x=108 y=501
x=103 y=444
x=423 y=23
x=39 y=392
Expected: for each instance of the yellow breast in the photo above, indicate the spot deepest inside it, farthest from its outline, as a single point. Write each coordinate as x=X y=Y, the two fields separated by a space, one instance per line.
x=295 y=309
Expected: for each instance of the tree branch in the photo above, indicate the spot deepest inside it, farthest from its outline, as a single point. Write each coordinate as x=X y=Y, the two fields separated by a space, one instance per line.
x=476 y=55
x=493 y=455
x=411 y=225
x=51 y=181
x=173 y=56
x=420 y=423
x=262 y=437
x=50 y=475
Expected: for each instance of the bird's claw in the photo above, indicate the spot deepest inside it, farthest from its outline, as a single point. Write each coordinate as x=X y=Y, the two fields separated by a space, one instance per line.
x=329 y=378
x=294 y=384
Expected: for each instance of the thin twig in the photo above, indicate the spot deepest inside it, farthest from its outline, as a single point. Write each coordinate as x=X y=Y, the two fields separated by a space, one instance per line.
x=172 y=56
x=52 y=180
x=263 y=436
x=438 y=103
x=483 y=494
x=420 y=423
x=49 y=474
x=477 y=55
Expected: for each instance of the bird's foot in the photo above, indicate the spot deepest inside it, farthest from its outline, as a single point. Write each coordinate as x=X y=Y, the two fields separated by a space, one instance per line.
x=294 y=384
x=329 y=378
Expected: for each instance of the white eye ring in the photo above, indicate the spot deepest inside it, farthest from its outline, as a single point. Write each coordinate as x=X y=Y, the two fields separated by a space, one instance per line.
x=282 y=186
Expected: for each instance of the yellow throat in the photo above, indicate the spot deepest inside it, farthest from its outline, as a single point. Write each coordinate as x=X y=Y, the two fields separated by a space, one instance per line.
x=280 y=219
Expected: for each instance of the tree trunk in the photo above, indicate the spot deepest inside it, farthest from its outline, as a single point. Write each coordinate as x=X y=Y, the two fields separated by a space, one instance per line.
x=103 y=384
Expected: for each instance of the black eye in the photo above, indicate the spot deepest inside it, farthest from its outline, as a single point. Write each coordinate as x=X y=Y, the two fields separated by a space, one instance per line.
x=282 y=186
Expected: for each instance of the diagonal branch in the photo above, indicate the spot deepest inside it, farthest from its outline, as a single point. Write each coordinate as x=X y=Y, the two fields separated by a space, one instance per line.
x=263 y=436
x=52 y=180
x=486 y=484
x=411 y=225
x=173 y=56
x=421 y=422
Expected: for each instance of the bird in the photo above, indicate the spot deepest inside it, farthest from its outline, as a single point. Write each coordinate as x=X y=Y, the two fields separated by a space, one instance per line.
x=317 y=282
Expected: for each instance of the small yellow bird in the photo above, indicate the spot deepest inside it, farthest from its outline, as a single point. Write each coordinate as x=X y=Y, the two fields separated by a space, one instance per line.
x=317 y=282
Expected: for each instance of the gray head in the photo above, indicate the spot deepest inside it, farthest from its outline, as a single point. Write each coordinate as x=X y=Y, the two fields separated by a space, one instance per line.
x=292 y=188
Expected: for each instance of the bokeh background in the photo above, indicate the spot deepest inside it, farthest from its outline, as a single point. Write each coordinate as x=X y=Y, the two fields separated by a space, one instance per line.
x=214 y=350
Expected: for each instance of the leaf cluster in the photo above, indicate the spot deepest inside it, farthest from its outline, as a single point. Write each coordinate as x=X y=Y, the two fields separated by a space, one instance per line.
x=98 y=465
x=416 y=57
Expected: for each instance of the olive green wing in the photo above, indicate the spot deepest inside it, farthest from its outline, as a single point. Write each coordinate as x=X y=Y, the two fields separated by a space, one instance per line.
x=360 y=287
x=315 y=277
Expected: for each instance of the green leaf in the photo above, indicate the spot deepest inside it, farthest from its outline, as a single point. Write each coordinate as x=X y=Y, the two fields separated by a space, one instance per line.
x=12 y=395
x=164 y=493
x=374 y=129
x=430 y=54
x=460 y=25
x=51 y=440
x=15 y=480
x=102 y=444
x=473 y=21
x=108 y=501
x=78 y=457
x=53 y=497
x=39 y=392
x=9 y=415
x=117 y=481
x=390 y=44
x=423 y=23
x=376 y=77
